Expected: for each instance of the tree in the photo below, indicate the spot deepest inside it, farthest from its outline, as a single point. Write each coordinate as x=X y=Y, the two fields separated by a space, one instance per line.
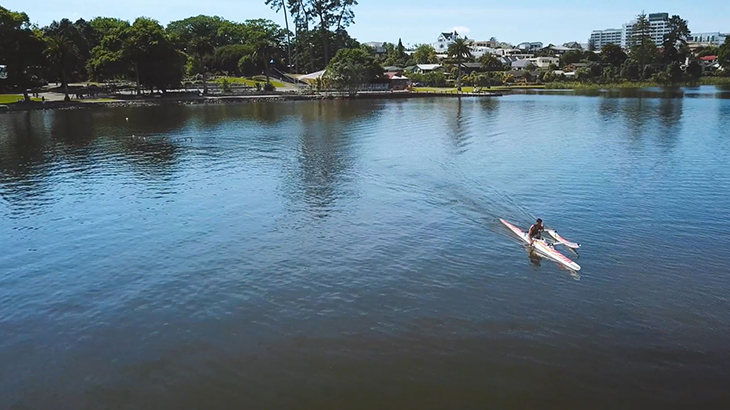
x=571 y=57
x=107 y=59
x=400 y=51
x=675 y=40
x=154 y=58
x=351 y=68
x=75 y=35
x=278 y=5
x=613 y=55
x=21 y=49
x=264 y=51
x=723 y=55
x=610 y=74
x=674 y=73
x=490 y=62
x=630 y=70
x=198 y=37
x=694 y=71
x=59 y=51
x=592 y=45
x=648 y=71
x=643 y=49
x=459 y=50
x=227 y=58
x=425 y=54
x=330 y=15
x=595 y=70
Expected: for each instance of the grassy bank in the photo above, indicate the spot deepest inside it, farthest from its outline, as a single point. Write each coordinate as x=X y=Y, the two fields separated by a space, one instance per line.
x=574 y=85
x=250 y=82
x=13 y=98
x=498 y=88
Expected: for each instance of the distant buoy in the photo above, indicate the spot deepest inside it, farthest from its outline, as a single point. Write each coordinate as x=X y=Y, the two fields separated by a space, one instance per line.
x=126 y=119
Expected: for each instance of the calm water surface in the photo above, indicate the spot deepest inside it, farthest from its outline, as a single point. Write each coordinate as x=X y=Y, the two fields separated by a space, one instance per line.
x=348 y=254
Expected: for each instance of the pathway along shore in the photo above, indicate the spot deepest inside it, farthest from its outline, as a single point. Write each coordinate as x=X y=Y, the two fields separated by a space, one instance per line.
x=184 y=100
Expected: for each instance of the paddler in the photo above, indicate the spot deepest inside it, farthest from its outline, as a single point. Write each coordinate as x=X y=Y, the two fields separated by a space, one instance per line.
x=535 y=231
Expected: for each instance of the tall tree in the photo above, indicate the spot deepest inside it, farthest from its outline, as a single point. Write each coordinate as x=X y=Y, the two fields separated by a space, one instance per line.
x=265 y=51
x=78 y=34
x=351 y=68
x=280 y=5
x=331 y=15
x=198 y=37
x=107 y=58
x=490 y=62
x=425 y=54
x=155 y=60
x=21 y=49
x=643 y=49
x=60 y=50
x=723 y=56
x=400 y=50
x=613 y=55
x=459 y=50
x=675 y=41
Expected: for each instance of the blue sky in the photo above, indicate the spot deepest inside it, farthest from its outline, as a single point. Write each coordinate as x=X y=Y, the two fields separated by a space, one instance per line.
x=415 y=21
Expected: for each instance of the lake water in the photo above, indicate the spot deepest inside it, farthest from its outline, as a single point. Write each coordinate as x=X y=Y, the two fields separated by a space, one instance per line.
x=348 y=254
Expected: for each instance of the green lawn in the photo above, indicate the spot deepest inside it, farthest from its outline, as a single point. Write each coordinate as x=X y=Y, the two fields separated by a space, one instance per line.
x=13 y=98
x=252 y=83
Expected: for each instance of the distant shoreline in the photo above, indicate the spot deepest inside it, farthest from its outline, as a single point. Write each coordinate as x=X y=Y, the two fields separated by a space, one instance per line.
x=240 y=99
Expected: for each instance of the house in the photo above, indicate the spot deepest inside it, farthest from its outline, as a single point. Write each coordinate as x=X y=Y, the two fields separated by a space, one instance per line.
x=519 y=77
x=392 y=69
x=544 y=62
x=426 y=68
x=445 y=40
x=530 y=46
x=708 y=61
x=468 y=68
x=519 y=65
x=573 y=45
x=397 y=81
x=377 y=47
x=572 y=67
x=508 y=60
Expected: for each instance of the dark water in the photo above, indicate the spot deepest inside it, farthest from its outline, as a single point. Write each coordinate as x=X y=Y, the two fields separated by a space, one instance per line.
x=348 y=255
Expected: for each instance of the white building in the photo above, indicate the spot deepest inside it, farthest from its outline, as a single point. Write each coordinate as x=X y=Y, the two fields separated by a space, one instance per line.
x=600 y=38
x=530 y=46
x=377 y=46
x=708 y=39
x=658 y=27
x=544 y=62
x=444 y=41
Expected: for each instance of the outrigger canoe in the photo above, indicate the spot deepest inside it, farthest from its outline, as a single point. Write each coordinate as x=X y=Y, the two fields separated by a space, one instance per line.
x=543 y=248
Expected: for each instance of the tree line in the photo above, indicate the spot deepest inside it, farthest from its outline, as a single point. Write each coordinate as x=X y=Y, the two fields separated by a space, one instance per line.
x=153 y=56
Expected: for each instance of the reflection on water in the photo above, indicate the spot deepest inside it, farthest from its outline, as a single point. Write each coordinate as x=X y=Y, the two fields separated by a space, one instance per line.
x=337 y=254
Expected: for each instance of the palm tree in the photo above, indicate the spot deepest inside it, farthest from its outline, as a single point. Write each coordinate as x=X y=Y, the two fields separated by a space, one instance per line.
x=202 y=47
x=459 y=49
x=277 y=5
x=265 y=51
x=59 y=50
x=490 y=62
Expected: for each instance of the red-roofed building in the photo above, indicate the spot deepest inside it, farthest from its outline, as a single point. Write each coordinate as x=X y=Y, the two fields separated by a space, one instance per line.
x=708 y=59
x=397 y=81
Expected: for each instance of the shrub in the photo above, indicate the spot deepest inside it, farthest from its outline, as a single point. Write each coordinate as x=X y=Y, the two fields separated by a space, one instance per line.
x=260 y=78
x=269 y=87
x=225 y=84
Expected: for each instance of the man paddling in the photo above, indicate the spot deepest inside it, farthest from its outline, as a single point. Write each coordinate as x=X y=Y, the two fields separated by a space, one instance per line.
x=535 y=231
